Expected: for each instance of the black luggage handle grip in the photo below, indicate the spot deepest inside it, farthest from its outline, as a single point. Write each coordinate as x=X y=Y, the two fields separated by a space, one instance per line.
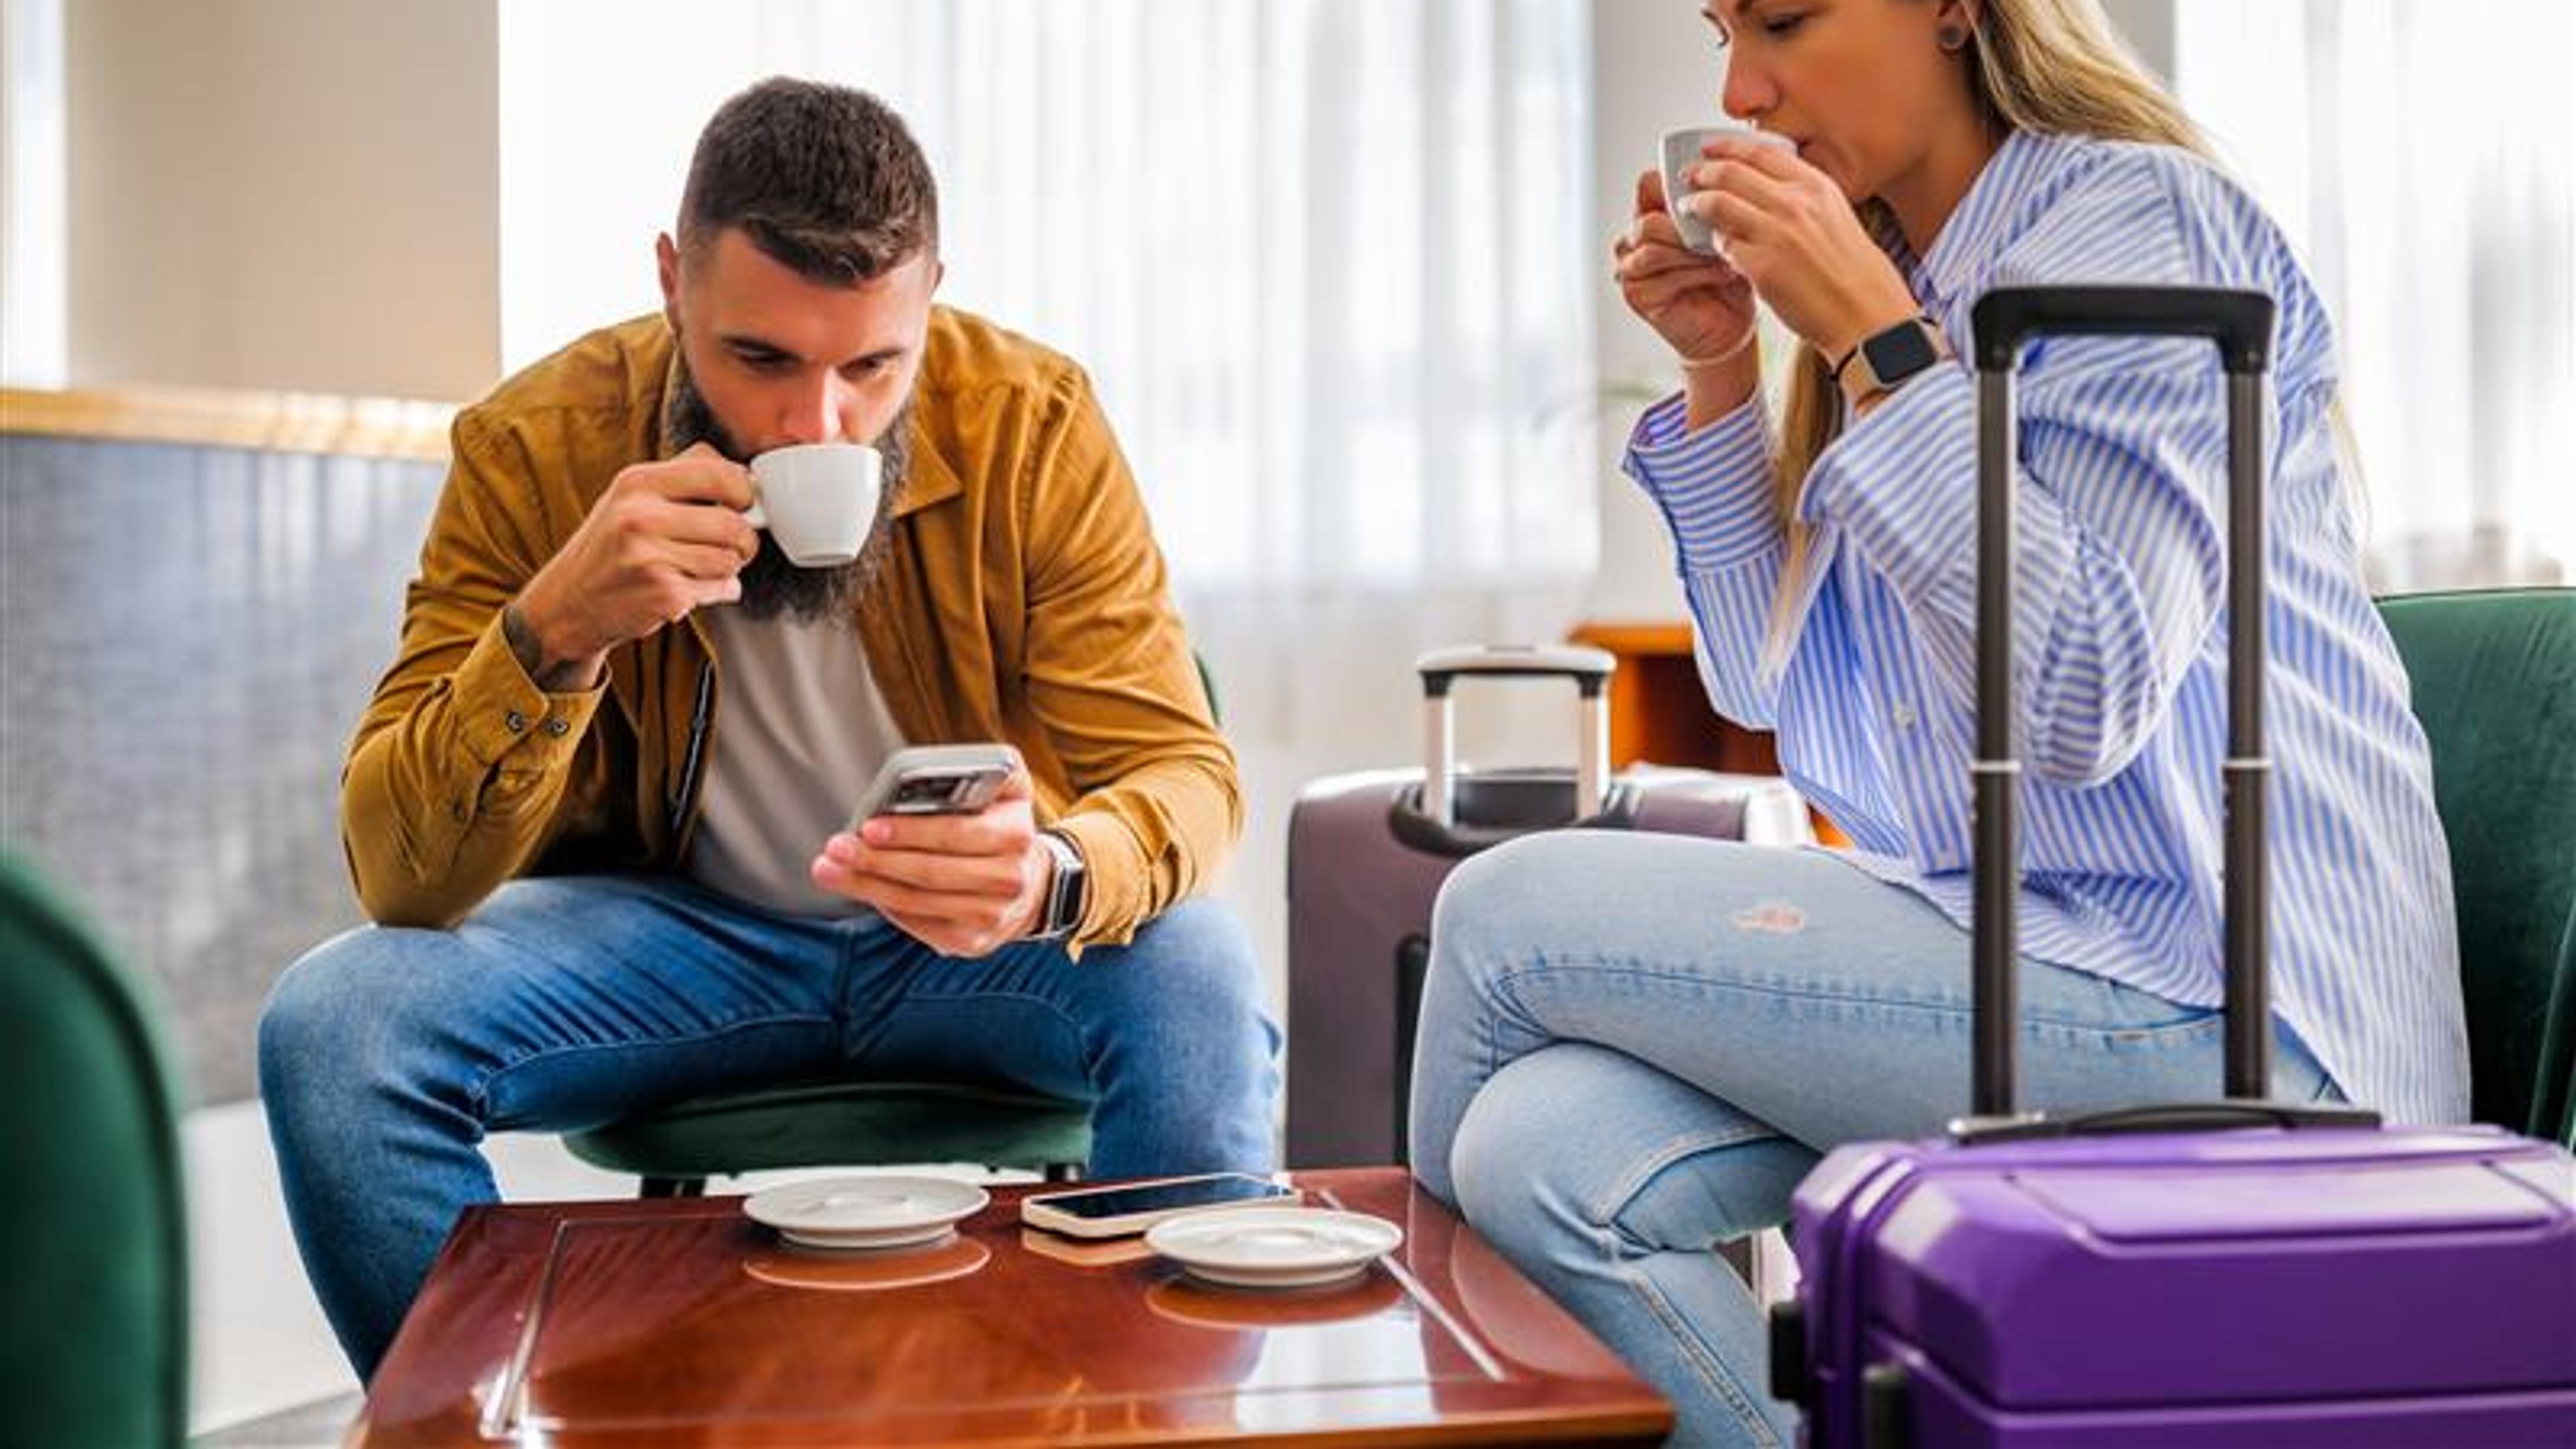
x=1588 y=667
x=2239 y=322
x=2170 y=1117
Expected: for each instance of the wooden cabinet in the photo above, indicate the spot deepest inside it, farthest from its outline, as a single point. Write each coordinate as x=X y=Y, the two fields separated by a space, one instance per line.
x=1660 y=714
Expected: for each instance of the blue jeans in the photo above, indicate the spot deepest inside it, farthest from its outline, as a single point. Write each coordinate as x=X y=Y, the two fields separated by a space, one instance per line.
x=1633 y=1046
x=567 y=1002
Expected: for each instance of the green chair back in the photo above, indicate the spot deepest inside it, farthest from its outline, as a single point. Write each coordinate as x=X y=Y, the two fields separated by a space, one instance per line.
x=2494 y=677
x=95 y=1335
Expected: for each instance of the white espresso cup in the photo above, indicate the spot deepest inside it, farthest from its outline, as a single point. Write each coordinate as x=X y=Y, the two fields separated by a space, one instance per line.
x=1681 y=152
x=817 y=500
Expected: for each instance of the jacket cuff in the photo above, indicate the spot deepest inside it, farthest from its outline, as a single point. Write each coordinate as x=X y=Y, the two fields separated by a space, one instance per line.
x=1113 y=876
x=501 y=712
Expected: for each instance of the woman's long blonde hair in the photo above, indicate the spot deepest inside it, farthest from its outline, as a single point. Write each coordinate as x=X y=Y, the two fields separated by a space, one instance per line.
x=2053 y=67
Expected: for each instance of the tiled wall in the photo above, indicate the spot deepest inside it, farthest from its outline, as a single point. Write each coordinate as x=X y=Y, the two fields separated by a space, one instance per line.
x=187 y=635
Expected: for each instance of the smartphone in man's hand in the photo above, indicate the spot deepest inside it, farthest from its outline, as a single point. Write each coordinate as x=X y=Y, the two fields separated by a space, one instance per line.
x=937 y=780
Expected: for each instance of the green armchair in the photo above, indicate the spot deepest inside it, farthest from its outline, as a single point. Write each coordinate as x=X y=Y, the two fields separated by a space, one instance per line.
x=2494 y=677
x=96 y=1329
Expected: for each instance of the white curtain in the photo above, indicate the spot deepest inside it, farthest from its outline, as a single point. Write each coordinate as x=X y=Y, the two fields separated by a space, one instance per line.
x=2422 y=153
x=1327 y=261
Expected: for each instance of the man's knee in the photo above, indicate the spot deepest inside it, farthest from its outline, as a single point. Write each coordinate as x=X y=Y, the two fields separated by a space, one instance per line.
x=1194 y=961
x=1184 y=1002
x=334 y=1011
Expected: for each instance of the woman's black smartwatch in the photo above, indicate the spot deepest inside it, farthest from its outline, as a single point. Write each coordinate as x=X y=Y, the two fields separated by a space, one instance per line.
x=1063 y=910
x=1891 y=355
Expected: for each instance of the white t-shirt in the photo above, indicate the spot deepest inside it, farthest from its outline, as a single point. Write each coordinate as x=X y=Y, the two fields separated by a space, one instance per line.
x=799 y=731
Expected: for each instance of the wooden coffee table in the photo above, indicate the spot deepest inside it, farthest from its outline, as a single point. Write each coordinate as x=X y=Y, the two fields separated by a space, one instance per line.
x=682 y=1322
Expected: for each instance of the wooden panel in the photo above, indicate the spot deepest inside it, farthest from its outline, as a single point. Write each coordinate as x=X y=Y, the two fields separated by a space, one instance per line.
x=271 y=421
x=1660 y=714
x=681 y=1322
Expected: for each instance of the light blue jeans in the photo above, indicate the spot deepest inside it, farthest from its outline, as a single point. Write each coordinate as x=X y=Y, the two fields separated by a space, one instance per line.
x=1633 y=1046
x=564 y=1003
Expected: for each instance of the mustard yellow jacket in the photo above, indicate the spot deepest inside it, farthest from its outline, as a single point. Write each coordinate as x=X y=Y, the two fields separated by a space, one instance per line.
x=1023 y=600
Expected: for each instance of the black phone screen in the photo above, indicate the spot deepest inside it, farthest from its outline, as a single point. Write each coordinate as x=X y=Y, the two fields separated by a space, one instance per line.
x=1118 y=1202
x=941 y=790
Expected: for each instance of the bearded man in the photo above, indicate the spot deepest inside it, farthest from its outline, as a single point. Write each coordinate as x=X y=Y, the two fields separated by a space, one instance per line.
x=598 y=809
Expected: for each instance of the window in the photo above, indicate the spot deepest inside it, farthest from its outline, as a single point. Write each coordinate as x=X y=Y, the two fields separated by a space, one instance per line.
x=1327 y=260
x=2422 y=155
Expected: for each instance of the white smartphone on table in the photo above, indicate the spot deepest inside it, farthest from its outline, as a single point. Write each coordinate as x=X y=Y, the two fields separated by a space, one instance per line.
x=937 y=780
x=1111 y=1212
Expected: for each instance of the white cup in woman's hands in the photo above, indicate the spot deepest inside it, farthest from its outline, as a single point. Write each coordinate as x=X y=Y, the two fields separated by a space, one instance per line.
x=1684 y=149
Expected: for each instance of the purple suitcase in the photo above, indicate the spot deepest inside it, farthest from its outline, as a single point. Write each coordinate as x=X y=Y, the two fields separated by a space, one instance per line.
x=1367 y=853
x=2233 y=1272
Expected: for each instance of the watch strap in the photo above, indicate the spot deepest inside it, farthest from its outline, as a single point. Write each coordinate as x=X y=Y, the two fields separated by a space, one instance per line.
x=1062 y=910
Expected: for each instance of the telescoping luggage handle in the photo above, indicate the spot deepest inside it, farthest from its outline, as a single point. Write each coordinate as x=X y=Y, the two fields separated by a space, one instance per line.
x=2240 y=324
x=1589 y=668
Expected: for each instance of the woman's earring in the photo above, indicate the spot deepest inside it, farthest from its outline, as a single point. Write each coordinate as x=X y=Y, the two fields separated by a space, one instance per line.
x=1951 y=37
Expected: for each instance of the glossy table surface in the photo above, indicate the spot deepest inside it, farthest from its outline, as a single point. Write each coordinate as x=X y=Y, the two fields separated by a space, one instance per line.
x=683 y=1322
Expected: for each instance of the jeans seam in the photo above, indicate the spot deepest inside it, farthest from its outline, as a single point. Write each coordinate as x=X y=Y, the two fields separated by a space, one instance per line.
x=1711 y=1369
x=1611 y=1203
x=1705 y=1363
x=1506 y=982
x=480 y=1095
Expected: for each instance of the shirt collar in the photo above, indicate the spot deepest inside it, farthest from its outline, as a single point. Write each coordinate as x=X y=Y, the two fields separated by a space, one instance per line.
x=1968 y=241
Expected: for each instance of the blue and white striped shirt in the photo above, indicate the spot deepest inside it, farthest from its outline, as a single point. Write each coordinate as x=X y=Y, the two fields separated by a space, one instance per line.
x=2119 y=620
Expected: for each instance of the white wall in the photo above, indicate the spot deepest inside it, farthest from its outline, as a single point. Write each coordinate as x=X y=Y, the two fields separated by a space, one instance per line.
x=1653 y=68
x=31 y=193
x=2148 y=26
x=284 y=194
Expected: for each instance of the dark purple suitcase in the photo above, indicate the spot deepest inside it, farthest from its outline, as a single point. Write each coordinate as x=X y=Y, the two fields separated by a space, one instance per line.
x=1367 y=853
x=2172 y=1275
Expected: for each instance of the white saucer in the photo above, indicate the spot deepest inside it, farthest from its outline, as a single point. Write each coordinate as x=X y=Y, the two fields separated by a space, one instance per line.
x=1284 y=1247
x=865 y=1212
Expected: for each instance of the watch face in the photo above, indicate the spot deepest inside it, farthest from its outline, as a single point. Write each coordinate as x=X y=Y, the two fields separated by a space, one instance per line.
x=1899 y=352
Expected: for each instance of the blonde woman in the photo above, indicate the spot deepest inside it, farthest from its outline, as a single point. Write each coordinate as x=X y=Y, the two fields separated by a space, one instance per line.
x=1632 y=1046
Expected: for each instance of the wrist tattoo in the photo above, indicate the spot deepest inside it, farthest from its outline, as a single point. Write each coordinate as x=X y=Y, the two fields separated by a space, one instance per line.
x=553 y=676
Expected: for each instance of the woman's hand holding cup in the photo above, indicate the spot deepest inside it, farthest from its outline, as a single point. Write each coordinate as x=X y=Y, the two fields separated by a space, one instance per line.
x=1790 y=231
x=1698 y=303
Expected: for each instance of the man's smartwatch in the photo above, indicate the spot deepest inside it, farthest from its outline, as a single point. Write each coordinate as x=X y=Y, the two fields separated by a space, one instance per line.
x=1064 y=898
x=1890 y=356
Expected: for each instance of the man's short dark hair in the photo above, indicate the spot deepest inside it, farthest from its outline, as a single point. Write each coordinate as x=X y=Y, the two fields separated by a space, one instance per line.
x=823 y=178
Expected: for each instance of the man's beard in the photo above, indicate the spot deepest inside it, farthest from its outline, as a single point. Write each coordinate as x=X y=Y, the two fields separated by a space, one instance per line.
x=773 y=587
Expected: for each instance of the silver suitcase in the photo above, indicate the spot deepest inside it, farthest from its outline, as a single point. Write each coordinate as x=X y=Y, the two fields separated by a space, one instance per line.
x=1367 y=853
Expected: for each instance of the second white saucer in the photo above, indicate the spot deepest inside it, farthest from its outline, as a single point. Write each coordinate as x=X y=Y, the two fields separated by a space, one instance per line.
x=865 y=1212
x=1288 y=1247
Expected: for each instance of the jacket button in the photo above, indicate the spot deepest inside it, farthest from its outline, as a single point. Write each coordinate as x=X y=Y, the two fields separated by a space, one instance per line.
x=515 y=722
x=559 y=727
